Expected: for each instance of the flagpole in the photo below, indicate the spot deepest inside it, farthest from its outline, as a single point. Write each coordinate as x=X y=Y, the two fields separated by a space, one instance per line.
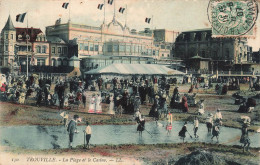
x=126 y=15
x=114 y=10
x=69 y=10
x=152 y=22
x=104 y=12
x=27 y=36
x=152 y=37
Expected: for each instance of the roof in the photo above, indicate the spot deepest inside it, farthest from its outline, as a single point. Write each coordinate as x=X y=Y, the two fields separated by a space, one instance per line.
x=198 y=30
x=33 y=32
x=54 y=39
x=196 y=57
x=130 y=69
x=9 y=24
x=74 y=58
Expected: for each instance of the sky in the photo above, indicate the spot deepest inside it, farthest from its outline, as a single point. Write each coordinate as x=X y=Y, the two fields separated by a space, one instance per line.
x=177 y=15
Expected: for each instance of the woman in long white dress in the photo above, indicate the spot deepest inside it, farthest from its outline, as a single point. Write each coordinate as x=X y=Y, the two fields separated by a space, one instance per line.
x=98 y=104
x=92 y=104
x=111 y=105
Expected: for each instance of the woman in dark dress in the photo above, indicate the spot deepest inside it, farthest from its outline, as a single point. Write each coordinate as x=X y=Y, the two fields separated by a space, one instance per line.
x=141 y=126
x=183 y=131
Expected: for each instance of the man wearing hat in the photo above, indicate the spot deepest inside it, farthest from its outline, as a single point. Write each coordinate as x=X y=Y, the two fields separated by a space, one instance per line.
x=71 y=129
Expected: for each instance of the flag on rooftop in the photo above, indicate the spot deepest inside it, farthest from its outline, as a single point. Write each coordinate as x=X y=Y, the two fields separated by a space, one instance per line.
x=65 y=5
x=100 y=6
x=20 y=17
x=147 y=20
x=110 y=2
x=121 y=10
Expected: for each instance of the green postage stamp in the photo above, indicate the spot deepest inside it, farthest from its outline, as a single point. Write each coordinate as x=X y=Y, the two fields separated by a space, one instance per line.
x=233 y=18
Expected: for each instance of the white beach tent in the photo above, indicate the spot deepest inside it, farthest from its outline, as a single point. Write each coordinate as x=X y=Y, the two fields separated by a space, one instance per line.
x=135 y=69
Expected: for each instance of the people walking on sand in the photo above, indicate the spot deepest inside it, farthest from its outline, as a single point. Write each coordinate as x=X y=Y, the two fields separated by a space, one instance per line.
x=184 y=104
x=215 y=131
x=84 y=98
x=88 y=134
x=71 y=129
x=209 y=122
x=183 y=131
x=196 y=126
x=92 y=104
x=244 y=137
x=98 y=100
x=218 y=117
x=169 y=123
x=65 y=116
x=201 y=110
x=111 y=105
x=141 y=126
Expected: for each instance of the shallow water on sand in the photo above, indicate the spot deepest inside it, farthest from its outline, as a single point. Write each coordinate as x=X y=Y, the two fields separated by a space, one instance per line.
x=51 y=137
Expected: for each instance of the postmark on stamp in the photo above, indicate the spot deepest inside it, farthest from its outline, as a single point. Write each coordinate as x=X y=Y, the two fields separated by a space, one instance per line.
x=233 y=18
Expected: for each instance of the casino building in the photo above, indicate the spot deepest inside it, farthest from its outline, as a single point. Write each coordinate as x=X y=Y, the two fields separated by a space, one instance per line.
x=199 y=45
x=107 y=44
x=95 y=47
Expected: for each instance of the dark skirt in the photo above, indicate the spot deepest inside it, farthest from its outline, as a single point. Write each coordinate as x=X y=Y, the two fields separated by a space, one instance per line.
x=209 y=125
x=215 y=133
x=140 y=126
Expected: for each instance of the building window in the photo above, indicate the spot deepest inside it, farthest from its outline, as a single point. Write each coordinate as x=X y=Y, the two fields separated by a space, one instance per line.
x=53 y=50
x=153 y=52
x=215 y=54
x=133 y=48
x=6 y=47
x=149 y=51
x=85 y=46
x=96 y=47
x=65 y=51
x=91 y=47
x=109 y=48
x=81 y=46
x=128 y=48
x=168 y=47
x=59 y=49
x=6 y=36
x=43 y=49
x=162 y=46
x=38 y=49
x=162 y=55
x=40 y=62
x=12 y=36
x=227 y=53
x=203 y=53
x=59 y=62
x=115 y=48
x=168 y=55
x=121 y=48
x=65 y=62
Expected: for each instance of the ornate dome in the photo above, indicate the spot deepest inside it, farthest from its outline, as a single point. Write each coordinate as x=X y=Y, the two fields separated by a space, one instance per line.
x=115 y=27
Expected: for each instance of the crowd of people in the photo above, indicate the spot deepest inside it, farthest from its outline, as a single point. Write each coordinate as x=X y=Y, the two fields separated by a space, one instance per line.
x=124 y=95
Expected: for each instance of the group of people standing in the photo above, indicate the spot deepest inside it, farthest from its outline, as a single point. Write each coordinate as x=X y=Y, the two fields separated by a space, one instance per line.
x=213 y=124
